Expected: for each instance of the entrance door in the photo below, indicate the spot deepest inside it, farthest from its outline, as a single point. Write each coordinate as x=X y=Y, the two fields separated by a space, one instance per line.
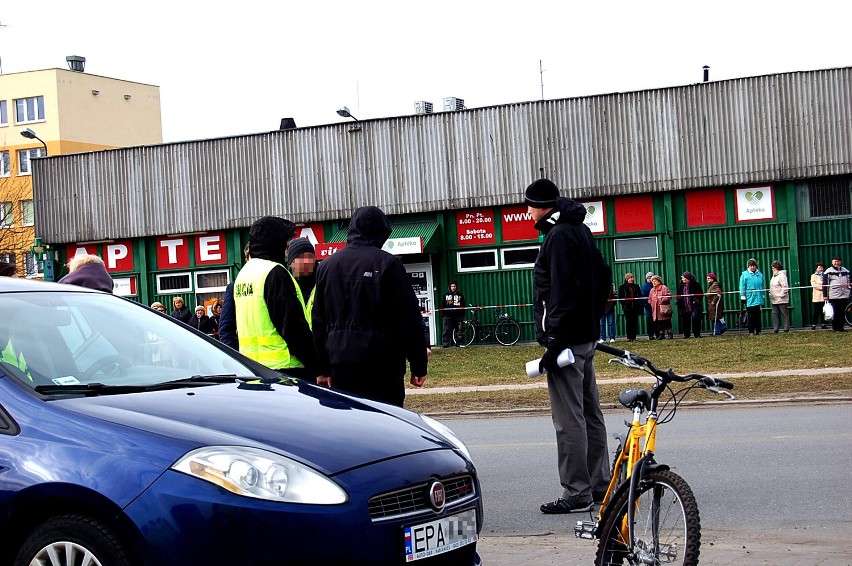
x=421 y=281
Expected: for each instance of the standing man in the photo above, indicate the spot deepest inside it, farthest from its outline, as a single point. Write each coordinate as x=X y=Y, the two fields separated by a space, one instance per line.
x=270 y=316
x=454 y=315
x=302 y=263
x=366 y=318
x=572 y=282
x=837 y=291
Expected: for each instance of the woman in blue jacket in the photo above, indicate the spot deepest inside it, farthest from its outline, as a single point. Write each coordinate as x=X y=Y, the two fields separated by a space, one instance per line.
x=752 y=286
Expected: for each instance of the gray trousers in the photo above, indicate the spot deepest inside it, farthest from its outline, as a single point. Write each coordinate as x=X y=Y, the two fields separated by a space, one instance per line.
x=781 y=316
x=581 y=441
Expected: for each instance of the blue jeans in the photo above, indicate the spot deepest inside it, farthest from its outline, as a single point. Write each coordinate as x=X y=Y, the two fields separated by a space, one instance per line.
x=608 y=323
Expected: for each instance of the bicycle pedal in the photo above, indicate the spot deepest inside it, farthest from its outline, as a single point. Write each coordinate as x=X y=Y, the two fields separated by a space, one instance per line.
x=585 y=529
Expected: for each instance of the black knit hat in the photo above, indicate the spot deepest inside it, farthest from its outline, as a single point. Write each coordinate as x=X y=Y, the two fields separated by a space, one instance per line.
x=297 y=247
x=541 y=194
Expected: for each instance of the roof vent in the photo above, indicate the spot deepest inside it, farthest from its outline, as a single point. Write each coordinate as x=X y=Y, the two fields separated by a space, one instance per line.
x=422 y=107
x=287 y=124
x=452 y=103
x=76 y=63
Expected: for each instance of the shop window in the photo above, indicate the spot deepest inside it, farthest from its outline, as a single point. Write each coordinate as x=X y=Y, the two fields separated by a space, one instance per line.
x=631 y=249
x=831 y=196
x=516 y=258
x=33 y=268
x=210 y=285
x=479 y=260
x=174 y=283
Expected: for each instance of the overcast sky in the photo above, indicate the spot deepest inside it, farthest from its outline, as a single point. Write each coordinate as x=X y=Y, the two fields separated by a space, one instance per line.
x=230 y=68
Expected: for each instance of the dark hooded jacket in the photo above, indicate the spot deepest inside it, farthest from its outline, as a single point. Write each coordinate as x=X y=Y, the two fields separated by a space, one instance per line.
x=572 y=279
x=365 y=312
x=91 y=276
x=268 y=238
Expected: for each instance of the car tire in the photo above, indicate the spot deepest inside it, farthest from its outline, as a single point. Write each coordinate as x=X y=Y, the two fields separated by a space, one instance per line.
x=70 y=537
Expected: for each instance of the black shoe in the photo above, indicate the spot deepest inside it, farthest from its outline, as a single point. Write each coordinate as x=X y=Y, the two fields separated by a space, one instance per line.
x=813 y=327
x=598 y=496
x=562 y=506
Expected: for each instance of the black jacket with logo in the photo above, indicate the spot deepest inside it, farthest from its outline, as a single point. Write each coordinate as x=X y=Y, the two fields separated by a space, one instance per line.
x=365 y=310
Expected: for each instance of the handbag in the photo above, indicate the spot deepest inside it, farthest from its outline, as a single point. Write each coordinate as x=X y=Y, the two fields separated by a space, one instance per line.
x=666 y=310
x=720 y=327
x=827 y=312
x=744 y=319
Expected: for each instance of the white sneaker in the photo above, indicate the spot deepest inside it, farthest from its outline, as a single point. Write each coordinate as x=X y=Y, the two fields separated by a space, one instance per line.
x=601 y=341
x=611 y=340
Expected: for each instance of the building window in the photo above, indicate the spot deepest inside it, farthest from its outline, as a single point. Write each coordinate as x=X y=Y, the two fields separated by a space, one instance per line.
x=8 y=257
x=7 y=215
x=33 y=268
x=29 y=109
x=174 y=283
x=5 y=164
x=831 y=196
x=4 y=113
x=27 y=218
x=479 y=260
x=210 y=285
x=631 y=249
x=516 y=258
x=27 y=155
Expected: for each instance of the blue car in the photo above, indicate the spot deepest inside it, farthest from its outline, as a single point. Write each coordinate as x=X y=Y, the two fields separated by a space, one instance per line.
x=128 y=438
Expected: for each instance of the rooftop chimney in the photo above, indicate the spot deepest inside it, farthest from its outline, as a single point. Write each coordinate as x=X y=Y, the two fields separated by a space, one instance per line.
x=76 y=63
x=287 y=124
x=706 y=73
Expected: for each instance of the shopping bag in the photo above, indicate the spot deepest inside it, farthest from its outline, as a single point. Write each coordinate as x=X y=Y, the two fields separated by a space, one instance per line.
x=720 y=327
x=744 y=320
x=827 y=312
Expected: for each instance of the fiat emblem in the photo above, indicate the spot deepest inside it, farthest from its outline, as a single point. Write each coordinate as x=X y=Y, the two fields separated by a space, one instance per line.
x=437 y=497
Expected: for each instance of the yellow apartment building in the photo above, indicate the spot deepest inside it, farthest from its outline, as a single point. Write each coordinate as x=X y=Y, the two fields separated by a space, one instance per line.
x=58 y=111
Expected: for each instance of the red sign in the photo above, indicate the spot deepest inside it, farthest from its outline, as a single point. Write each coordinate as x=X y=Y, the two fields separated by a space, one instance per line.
x=118 y=256
x=313 y=232
x=322 y=251
x=211 y=249
x=73 y=250
x=706 y=208
x=475 y=227
x=517 y=224
x=172 y=252
x=634 y=214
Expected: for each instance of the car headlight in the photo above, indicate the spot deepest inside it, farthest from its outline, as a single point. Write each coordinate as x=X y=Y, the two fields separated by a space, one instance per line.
x=260 y=474
x=445 y=431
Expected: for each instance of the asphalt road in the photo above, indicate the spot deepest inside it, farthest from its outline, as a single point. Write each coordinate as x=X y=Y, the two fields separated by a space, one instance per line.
x=773 y=484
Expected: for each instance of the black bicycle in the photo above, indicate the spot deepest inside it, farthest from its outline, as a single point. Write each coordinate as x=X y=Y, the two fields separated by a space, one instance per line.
x=505 y=329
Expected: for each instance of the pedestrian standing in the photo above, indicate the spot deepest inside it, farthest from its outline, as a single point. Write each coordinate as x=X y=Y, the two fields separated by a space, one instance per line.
x=779 y=296
x=649 y=314
x=818 y=296
x=607 y=323
x=689 y=300
x=366 y=317
x=270 y=316
x=715 y=303
x=631 y=304
x=752 y=287
x=181 y=311
x=837 y=290
x=453 y=313
x=302 y=262
x=660 y=300
x=88 y=270
x=571 y=285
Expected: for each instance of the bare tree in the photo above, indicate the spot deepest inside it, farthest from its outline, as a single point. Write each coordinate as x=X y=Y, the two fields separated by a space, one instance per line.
x=15 y=238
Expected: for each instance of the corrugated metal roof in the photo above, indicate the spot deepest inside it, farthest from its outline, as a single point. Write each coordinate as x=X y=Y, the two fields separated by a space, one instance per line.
x=758 y=129
x=425 y=230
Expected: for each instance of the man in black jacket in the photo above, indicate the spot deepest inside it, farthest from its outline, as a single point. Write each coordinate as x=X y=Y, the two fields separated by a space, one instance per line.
x=366 y=318
x=571 y=286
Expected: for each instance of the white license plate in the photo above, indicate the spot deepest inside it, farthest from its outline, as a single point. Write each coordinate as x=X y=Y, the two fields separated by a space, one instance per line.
x=437 y=537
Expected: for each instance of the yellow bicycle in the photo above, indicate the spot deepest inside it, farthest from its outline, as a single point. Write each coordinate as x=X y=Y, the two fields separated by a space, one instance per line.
x=649 y=514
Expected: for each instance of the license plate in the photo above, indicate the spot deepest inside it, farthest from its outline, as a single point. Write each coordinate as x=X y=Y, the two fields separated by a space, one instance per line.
x=440 y=536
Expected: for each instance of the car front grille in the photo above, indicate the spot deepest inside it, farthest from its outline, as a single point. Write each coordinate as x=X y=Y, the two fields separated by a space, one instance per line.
x=415 y=499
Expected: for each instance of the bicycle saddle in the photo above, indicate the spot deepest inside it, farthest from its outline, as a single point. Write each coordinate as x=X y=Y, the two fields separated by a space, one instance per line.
x=631 y=398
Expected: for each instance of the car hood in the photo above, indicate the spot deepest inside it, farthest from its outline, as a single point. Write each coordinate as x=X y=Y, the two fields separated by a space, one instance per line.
x=326 y=430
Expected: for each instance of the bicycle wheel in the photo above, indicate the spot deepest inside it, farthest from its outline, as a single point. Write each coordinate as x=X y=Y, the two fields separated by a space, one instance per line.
x=507 y=331
x=463 y=336
x=667 y=529
x=848 y=314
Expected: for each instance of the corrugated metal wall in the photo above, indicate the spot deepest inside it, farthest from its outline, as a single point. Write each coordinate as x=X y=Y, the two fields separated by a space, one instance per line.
x=757 y=129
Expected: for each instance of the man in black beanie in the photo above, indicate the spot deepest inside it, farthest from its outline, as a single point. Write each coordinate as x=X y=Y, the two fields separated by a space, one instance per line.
x=270 y=314
x=571 y=285
x=302 y=261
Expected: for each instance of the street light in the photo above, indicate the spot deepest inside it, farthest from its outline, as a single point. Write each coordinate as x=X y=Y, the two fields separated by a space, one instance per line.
x=343 y=111
x=31 y=135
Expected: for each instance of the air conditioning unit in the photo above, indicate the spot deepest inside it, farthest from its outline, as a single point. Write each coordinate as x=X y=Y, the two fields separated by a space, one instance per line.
x=452 y=103
x=422 y=107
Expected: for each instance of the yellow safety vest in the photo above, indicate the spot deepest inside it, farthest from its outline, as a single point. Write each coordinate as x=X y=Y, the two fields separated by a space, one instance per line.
x=8 y=356
x=309 y=307
x=259 y=340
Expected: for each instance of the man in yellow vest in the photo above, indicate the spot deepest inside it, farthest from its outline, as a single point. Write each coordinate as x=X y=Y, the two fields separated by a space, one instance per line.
x=302 y=261
x=269 y=307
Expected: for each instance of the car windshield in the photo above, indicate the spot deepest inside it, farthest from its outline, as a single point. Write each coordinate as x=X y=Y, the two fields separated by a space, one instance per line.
x=72 y=339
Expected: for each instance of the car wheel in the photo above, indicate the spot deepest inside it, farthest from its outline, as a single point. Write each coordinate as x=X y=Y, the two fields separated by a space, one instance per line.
x=71 y=540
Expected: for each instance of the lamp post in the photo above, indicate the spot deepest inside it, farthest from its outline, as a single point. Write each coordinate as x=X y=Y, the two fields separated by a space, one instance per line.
x=344 y=111
x=31 y=135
